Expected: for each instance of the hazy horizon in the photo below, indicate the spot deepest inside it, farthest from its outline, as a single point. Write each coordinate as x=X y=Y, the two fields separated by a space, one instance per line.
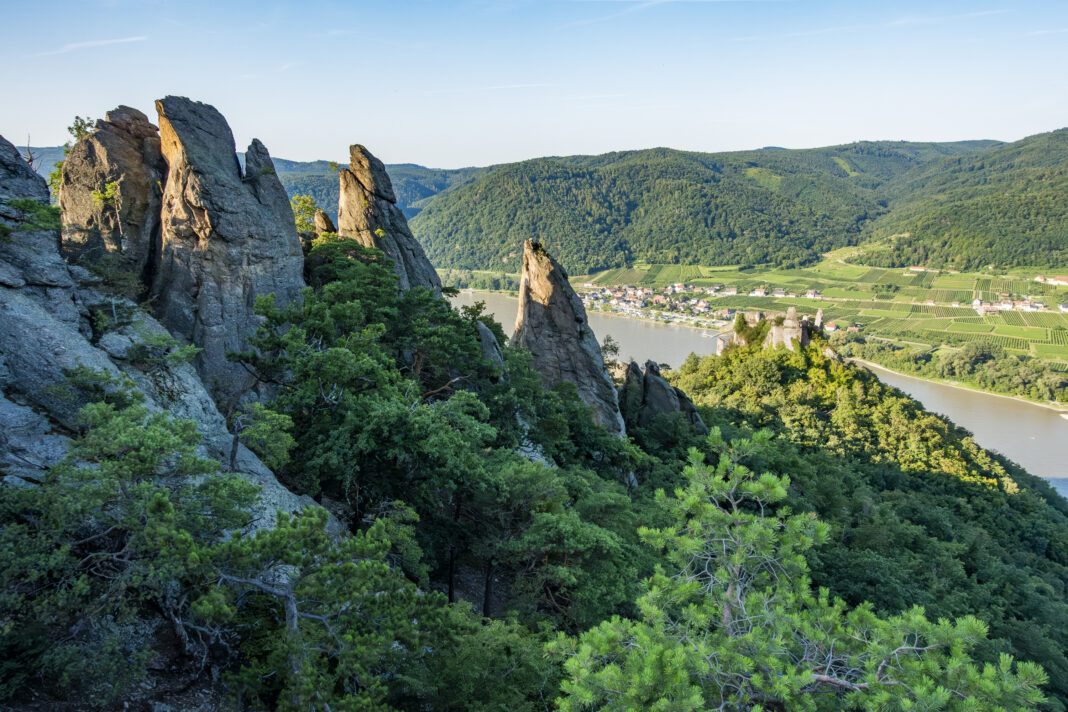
x=482 y=82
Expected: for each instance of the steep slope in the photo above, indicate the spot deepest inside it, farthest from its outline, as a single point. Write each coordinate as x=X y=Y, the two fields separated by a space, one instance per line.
x=1004 y=206
x=662 y=205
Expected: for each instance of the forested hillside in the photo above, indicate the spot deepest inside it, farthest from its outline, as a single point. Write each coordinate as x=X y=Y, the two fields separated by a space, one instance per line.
x=1004 y=206
x=661 y=205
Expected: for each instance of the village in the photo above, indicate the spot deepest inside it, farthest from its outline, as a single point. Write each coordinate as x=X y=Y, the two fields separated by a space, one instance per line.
x=687 y=303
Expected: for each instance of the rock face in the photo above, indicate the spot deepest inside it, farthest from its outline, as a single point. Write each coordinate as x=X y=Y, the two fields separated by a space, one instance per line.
x=491 y=350
x=323 y=223
x=227 y=238
x=45 y=329
x=644 y=396
x=125 y=150
x=789 y=333
x=367 y=212
x=552 y=324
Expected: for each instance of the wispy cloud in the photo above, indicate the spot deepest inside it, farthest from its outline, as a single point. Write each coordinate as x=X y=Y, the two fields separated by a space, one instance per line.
x=1059 y=31
x=75 y=46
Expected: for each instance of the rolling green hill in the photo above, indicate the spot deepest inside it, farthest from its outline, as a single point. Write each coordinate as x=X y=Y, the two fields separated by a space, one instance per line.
x=963 y=205
x=1004 y=206
x=783 y=207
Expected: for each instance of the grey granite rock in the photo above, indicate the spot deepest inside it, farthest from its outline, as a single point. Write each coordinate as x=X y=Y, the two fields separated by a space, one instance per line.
x=552 y=324
x=644 y=396
x=124 y=149
x=227 y=238
x=367 y=212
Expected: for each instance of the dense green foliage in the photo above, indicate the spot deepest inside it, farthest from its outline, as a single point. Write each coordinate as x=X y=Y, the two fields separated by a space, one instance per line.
x=452 y=559
x=919 y=514
x=980 y=364
x=660 y=205
x=485 y=281
x=738 y=627
x=1003 y=206
x=304 y=209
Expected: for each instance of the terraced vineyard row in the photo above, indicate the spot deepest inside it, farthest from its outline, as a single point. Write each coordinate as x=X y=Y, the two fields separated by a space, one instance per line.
x=888 y=303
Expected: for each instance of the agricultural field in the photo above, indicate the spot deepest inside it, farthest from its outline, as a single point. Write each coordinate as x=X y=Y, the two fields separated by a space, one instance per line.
x=928 y=308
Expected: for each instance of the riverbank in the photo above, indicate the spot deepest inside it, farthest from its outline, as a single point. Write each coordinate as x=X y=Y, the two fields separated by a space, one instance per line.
x=601 y=312
x=1063 y=410
x=710 y=332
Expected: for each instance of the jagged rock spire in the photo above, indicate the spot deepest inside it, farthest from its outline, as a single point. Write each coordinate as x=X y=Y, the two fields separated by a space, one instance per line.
x=123 y=149
x=367 y=212
x=227 y=237
x=552 y=324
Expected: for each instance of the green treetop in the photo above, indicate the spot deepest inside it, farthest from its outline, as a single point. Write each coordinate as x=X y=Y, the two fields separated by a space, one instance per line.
x=737 y=626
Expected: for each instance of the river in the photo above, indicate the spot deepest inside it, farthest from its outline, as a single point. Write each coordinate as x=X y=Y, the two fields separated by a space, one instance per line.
x=1029 y=434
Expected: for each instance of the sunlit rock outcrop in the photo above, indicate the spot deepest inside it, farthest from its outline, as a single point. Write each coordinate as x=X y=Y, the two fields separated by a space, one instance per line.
x=367 y=212
x=227 y=237
x=109 y=192
x=552 y=324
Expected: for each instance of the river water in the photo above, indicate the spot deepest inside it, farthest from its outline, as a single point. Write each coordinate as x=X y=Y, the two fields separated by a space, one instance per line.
x=1031 y=435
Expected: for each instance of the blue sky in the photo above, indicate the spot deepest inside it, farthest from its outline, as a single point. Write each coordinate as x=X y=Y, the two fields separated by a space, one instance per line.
x=473 y=82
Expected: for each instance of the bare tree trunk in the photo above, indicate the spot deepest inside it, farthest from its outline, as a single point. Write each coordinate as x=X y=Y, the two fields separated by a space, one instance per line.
x=487 y=590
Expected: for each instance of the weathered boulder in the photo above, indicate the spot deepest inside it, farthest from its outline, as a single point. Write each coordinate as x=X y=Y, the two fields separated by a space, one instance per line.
x=644 y=396
x=367 y=212
x=552 y=324
x=323 y=223
x=491 y=349
x=124 y=149
x=227 y=238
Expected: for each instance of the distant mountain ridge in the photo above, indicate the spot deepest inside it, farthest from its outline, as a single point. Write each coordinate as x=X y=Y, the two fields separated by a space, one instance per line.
x=783 y=207
x=962 y=204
